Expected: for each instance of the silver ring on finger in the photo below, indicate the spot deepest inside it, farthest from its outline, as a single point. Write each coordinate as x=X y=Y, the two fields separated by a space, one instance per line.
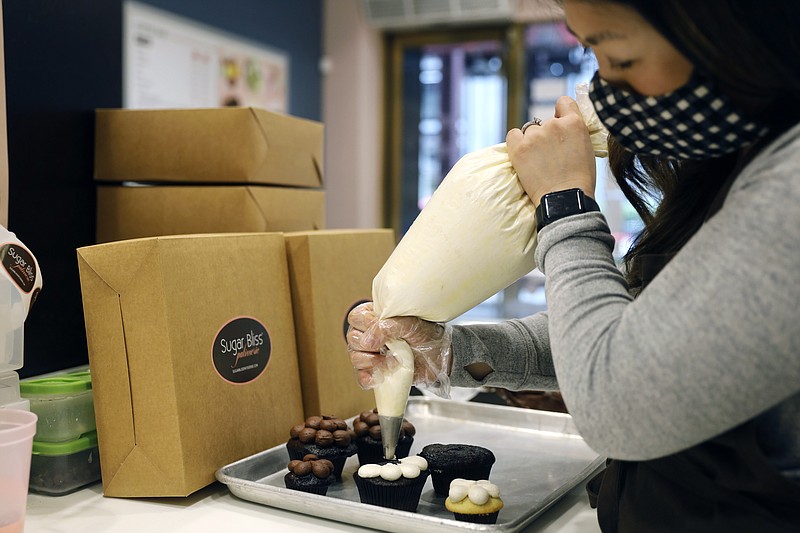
x=534 y=122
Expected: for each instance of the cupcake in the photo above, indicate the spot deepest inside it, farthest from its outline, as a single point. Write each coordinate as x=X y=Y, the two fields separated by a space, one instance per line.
x=327 y=437
x=393 y=484
x=474 y=501
x=311 y=474
x=450 y=461
x=368 y=438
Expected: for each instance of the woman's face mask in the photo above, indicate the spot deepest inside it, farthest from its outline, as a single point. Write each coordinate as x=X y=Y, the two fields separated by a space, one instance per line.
x=696 y=121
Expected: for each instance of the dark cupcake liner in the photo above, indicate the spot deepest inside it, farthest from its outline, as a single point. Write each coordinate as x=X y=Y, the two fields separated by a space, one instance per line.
x=442 y=479
x=370 y=451
x=403 y=495
x=338 y=466
x=489 y=518
x=308 y=484
x=295 y=449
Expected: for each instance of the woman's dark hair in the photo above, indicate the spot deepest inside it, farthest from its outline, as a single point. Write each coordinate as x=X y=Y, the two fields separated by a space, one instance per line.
x=751 y=49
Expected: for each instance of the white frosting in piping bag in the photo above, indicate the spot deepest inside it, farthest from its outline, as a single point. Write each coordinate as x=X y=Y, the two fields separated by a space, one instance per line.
x=475 y=236
x=391 y=396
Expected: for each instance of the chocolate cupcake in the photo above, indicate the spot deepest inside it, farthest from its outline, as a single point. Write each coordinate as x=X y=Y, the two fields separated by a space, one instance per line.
x=327 y=437
x=474 y=501
x=311 y=474
x=393 y=484
x=450 y=461
x=368 y=438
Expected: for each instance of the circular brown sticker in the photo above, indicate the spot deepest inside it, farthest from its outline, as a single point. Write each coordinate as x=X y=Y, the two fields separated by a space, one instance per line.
x=19 y=264
x=241 y=350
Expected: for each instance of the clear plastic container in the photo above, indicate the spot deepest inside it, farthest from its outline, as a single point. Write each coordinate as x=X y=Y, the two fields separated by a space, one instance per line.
x=20 y=283
x=64 y=405
x=58 y=468
x=9 y=388
x=16 y=437
x=20 y=405
x=12 y=322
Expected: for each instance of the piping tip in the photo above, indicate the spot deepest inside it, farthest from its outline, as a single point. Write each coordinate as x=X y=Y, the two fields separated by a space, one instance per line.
x=390 y=434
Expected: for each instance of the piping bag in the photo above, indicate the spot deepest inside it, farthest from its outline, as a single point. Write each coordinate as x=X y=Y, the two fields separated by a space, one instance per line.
x=475 y=237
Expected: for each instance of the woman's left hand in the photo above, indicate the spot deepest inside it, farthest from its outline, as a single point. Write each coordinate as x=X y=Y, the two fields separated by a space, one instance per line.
x=555 y=156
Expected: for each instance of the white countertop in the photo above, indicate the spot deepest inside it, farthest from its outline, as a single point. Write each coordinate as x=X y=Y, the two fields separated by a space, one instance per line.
x=215 y=509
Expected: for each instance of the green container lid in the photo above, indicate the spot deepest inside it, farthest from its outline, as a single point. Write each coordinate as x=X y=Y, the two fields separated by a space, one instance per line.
x=84 y=442
x=85 y=374
x=55 y=385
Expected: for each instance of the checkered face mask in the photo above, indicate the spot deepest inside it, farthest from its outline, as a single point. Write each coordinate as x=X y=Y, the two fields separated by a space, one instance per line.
x=696 y=121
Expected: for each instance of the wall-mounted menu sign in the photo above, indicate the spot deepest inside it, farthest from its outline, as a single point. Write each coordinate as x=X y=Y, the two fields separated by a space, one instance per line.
x=173 y=62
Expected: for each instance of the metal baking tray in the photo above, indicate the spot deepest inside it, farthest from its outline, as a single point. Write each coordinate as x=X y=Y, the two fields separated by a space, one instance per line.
x=539 y=458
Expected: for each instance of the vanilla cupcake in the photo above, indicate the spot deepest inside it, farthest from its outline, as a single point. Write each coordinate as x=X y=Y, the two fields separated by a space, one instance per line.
x=394 y=484
x=474 y=501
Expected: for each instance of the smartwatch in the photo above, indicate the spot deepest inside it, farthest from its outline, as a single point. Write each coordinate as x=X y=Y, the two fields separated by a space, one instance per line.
x=557 y=205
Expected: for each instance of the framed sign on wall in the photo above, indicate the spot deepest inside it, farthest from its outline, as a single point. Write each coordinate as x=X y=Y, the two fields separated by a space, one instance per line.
x=174 y=62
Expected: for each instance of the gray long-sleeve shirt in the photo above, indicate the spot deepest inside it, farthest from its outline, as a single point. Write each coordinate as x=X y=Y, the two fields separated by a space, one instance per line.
x=714 y=341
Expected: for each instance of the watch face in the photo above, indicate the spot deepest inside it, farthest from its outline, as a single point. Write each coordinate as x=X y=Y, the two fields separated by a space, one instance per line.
x=561 y=205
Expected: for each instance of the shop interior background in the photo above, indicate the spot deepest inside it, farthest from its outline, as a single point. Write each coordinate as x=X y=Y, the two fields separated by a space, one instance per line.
x=461 y=79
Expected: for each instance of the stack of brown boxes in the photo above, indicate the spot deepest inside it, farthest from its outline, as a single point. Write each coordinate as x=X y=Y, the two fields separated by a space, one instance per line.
x=181 y=171
x=207 y=348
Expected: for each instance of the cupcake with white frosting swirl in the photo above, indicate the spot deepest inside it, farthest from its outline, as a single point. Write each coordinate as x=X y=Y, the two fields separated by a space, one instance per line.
x=474 y=501
x=394 y=484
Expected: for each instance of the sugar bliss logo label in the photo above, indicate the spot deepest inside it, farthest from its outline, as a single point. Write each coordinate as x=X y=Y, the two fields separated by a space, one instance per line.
x=20 y=266
x=241 y=350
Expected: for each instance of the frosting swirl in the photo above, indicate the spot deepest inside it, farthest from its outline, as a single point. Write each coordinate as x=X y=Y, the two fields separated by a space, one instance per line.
x=368 y=424
x=408 y=467
x=478 y=492
x=326 y=431
x=311 y=464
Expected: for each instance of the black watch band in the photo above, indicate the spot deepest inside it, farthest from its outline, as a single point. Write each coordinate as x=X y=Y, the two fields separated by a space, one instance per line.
x=557 y=205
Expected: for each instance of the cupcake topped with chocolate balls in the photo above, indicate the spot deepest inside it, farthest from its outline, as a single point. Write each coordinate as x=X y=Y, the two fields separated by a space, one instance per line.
x=310 y=474
x=368 y=438
x=327 y=437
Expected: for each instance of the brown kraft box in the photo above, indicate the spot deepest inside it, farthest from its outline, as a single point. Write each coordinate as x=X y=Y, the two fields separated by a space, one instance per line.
x=331 y=272
x=229 y=144
x=141 y=211
x=193 y=357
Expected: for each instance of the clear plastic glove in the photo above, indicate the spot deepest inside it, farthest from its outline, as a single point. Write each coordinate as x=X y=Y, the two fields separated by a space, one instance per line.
x=430 y=343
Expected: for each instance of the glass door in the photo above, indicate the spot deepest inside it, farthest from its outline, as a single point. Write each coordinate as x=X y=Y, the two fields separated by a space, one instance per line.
x=453 y=92
x=448 y=98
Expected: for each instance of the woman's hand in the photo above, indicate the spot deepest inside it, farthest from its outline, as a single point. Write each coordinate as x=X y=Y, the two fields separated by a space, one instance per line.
x=555 y=156
x=430 y=343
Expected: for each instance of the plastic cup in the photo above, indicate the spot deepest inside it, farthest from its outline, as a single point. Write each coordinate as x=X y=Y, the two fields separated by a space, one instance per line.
x=16 y=444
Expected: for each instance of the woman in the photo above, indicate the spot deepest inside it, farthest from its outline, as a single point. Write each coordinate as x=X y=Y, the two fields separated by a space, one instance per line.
x=685 y=369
